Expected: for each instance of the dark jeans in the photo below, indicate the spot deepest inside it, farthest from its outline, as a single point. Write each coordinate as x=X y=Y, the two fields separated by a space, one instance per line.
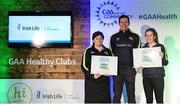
x=128 y=77
x=156 y=85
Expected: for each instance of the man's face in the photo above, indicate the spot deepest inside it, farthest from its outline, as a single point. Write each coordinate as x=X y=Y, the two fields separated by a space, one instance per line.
x=124 y=24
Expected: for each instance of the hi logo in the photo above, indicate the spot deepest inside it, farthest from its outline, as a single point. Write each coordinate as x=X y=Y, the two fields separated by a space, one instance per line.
x=19 y=93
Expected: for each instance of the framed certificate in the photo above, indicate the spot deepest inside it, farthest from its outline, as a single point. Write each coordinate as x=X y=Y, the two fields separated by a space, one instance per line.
x=104 y=65
x=147 y=57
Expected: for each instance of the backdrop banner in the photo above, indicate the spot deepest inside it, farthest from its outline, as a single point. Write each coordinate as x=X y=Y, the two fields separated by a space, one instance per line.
x=163 y=15
x=42 y=90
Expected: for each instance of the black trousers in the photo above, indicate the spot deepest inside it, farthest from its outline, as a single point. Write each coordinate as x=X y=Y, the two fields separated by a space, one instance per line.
x=97 y=90
x=126 y=76
x=155 y=85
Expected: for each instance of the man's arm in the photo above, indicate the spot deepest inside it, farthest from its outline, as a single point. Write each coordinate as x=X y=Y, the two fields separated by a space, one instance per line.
x=112 y=46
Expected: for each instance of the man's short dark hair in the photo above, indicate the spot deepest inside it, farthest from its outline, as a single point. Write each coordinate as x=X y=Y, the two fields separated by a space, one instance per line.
x=124 y=16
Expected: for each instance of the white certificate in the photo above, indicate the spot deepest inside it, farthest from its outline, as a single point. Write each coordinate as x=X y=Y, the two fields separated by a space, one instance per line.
x=147 y=57
x=104 y=65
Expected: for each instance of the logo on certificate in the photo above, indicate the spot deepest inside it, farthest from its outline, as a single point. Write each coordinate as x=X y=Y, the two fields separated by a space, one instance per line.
x=146 y=56
x=104 y=65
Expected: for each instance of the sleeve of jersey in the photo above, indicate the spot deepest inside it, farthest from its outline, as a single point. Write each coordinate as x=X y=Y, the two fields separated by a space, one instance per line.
x=84 y=65
x=138 y=43
x=165 y=57
x=110 y=53
x=112 y=46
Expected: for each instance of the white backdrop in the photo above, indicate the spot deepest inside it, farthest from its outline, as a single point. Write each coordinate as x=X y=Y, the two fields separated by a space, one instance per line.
x=163 y=15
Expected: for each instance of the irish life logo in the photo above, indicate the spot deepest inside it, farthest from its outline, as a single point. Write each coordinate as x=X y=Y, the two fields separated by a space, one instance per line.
x=19 y=93
x=19 y=27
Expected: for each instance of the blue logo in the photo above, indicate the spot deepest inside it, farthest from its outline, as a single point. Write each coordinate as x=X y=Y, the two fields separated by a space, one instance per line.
x=108 y=13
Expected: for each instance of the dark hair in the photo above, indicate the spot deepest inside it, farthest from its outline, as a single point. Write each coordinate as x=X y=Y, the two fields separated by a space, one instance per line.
x=154 y=33
x=124 y=16
x=97 y=33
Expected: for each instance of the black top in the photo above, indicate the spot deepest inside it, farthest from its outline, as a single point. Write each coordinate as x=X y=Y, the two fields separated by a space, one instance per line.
x=155 y=72
x=121 y=45
x=86 y=61
x=96 y=90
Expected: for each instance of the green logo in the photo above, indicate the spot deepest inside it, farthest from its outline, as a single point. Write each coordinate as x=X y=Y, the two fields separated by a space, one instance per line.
x=19 y=93
x=104 y=63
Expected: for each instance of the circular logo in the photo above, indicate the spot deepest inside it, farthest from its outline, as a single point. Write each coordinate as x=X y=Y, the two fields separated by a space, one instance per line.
x=107 y=13
x=19 y=93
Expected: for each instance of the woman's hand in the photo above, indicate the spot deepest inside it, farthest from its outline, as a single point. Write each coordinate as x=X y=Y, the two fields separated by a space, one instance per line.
x=161 y=54
x=97 y=75
x=106 y=74
x=139 y=69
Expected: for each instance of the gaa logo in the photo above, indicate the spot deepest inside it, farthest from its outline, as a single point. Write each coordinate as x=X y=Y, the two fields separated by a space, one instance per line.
x=19 y=93
x=107 y=13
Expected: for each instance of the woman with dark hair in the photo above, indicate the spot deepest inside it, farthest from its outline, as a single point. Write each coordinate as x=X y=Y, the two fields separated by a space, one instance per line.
x=97 y=87
x=153 y=78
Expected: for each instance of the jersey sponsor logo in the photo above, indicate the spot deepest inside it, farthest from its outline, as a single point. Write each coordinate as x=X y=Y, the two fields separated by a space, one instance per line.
x=123 y=45
x=118 y=38
x=131 y=38
x=92 y=52
x=106 y=53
